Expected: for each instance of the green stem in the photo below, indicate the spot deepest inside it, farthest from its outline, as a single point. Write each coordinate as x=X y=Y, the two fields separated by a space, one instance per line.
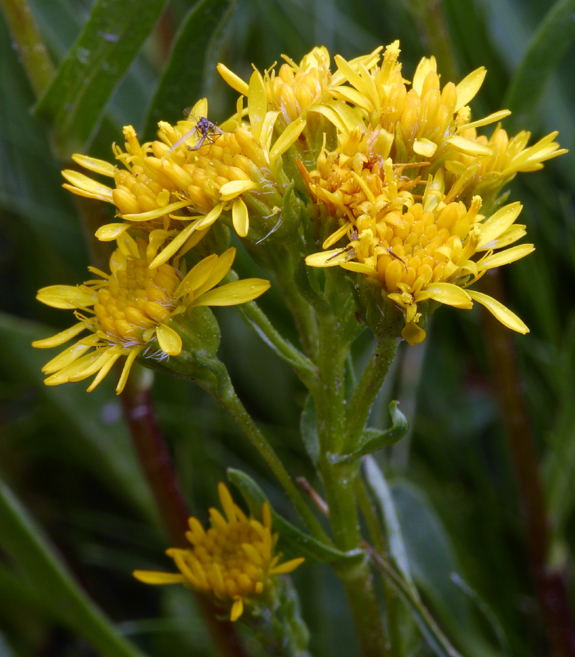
x=367 y=389
x=253 y=315
x=338 y=480
x=378 y=539
x=29 y=42
x=227 y=396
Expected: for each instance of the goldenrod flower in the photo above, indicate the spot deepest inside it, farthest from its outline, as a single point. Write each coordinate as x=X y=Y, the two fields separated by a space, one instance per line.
x=132 y=306
x=232 y=562
x=414 y=251
x=487 y=174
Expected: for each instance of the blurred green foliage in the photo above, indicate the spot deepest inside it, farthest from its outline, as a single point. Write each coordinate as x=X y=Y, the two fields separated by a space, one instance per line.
x=66 y=455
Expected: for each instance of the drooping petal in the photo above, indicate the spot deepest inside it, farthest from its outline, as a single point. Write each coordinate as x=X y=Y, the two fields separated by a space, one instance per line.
x=287 y=567
x=93 y=164
x=501 y=312
x=237 y=609
x=233 y=80
x=69 y=355
x=235 y=188
x=240 y=217
x=126 y=369
x=497 y=224
x=81 y=183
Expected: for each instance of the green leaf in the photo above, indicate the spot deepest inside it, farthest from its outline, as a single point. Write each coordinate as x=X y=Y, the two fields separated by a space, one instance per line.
x=374 y=439
x=25 y=544
x=86 y=78
x=382 y=494
x=191 y=66
x=545 y=51
x=100 y=441
x=299 y=544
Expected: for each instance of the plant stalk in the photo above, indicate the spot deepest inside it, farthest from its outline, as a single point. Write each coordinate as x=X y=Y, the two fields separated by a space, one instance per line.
x=550 y=583
x=156 y=462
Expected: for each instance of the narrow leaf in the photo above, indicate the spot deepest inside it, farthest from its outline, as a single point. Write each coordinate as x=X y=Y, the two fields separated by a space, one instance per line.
x=87 y=76
x=544 y=52
x=195 y=47
x=24 y=543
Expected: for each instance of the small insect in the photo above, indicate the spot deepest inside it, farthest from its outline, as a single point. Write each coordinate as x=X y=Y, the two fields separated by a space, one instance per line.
x=348 y=249
x=205 y=129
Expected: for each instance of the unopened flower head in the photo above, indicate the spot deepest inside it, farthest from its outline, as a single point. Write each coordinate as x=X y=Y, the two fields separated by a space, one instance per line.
x=131 y=307
x=233 y=561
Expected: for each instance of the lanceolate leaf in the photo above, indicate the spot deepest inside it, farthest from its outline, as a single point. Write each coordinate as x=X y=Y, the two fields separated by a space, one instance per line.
x=191 y=63
x=547 y=47
x=22 y=541
x=86 y=78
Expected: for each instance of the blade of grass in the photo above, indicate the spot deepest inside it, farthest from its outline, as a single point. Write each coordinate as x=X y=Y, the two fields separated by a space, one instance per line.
x=74 y=102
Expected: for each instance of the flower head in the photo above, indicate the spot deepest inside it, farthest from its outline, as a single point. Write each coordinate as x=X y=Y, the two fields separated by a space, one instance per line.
x=129 y=310
x=233 y=561
x=413 y=251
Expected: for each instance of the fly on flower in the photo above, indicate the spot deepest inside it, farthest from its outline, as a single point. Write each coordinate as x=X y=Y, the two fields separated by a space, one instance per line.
x=204 y=128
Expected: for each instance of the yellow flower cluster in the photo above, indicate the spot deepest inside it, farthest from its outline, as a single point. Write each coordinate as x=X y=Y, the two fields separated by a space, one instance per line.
x=233 y=561
x=396 y=175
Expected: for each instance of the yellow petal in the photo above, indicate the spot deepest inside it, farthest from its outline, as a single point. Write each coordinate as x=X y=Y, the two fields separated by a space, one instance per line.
x=501 y=312
x=199 y=110
x=234 y=188
x=67 y=296
x=227 y=502
x=468 y=146
x=174 y=246
x=359 y=268
x=449 y=294
x=156 y=214
x=331 y=115
x=104 y=357
x=288 y=566
x=237 y=609
x=126 y=369
x=492 y=118
x=335 y=237
x=426 y=65
x=154 y=577
x=169 y=341
x=103 y=371
x=413 y=334
x=287 y=138
x=240 y=217
x=424 y=147
x=469 y=86
x=497 y=224
x=223 y=266
x=268 y=130
x=257 y=104
x=81 y=182
x=69 y=355
x=353 y=96
x=327 y=258
x=198 y=275
x=233 y=80
x=60 y=338
x=355 y=79
x=234 y=293
x=93 y=164
x=507 y=256
x=110 y=232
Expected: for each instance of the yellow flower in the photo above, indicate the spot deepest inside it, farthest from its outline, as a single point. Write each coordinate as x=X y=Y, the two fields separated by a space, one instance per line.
x=132 y=306
x=487 y=174
x=422 y=124
x=413 y=251
x=232 y=562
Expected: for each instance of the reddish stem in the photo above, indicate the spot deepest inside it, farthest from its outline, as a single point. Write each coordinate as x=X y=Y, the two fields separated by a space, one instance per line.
x=550 y=583
x=156 y=462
